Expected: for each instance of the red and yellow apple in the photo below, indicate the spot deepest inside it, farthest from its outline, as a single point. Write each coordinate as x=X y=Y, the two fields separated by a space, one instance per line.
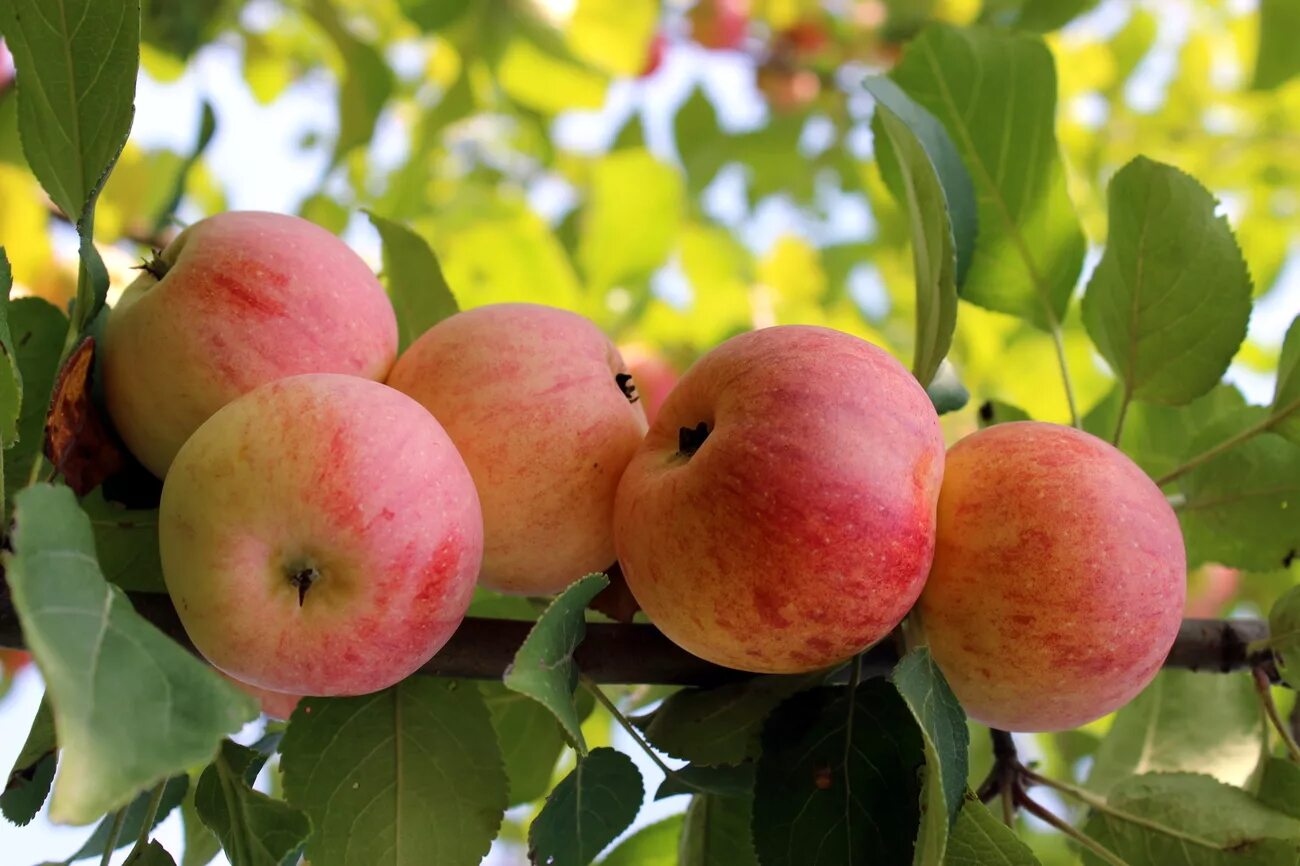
x=275 y=705
x=1059 y=577
x=780 y=515
x=320 y=535
x=719 y=25
x=537 y=401
x=237 y=300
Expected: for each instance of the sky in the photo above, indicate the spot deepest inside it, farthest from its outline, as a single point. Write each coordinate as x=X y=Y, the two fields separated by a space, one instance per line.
x=283 y=174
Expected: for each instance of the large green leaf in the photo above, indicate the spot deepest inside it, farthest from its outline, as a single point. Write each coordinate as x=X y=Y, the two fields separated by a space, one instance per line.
x=717 y=832
x=1284 y=634
x=410 y=775
x=543 y=668
x=1168 y=302
x=588 y=809
x=131 y=707
x=634 y=210
x=995 y=93
x=201 y=844
x=152 y=854
x=38 y=330
x=723 y=724
x=126 y=542
x=1160 y=438
x=941 y=208
x=1240 y=507
x=943 y=727
x=1184 y=721
x=531 y=741
x=76 y=62
x=655 y=845
x=843 y=769
x=1279 y=786
x=1212 y=824
x=254 y=829
x=1286 y=396
x=979 y=839
x=420 y=294
x=1277 y=60
x=1040 y=15
x=28 y=782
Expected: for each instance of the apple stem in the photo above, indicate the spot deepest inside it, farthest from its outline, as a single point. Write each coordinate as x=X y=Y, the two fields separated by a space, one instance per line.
x=154 y=265
x=689 y=439
x=303 y=578
x=1264 y=688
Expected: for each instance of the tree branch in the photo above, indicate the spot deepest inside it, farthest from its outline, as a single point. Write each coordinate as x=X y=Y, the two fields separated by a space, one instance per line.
x=482 y=649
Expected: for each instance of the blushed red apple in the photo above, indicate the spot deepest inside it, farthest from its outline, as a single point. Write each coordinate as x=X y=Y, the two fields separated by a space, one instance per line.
x=780 y=515
x=1059 y=577
x=537 y=401
x=320 y=535
x=719 y=25
x=237 y=300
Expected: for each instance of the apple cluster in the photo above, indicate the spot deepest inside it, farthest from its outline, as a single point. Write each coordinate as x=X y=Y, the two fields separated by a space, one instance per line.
x=329 y=506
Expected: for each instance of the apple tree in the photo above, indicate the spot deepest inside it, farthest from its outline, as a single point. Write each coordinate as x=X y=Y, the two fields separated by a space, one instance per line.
x=1075 y=212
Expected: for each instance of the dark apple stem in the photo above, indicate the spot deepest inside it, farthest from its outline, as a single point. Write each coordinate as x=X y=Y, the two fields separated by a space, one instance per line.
x=689 y=439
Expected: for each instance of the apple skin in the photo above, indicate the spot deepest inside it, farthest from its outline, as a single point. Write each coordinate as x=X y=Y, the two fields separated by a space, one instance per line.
x=653 y=374
x=801 y=530
x=528 y=393
x=275 y=705
x=330 y=473
x=247 y=298
x=1059 y=577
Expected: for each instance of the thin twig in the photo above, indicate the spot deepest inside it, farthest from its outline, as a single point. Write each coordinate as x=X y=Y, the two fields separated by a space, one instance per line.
x=1264 y=688
x=1043 y=814
x=114 y=830
x=604 y=701
x=150 y=816
x=1231 y=442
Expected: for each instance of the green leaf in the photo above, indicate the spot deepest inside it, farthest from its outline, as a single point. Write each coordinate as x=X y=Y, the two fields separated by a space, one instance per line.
x=372 y=772
x=11 y=380
x=1241 y=505
x=1279 y=786
x=38 y=329
x=655 y=845
x=367 y=81
x=131 y=707
x=588 y=809
x=1160 y=438
x=629 y=226
x=207 y=129
x=717 y=832
x=1184 y=721
x=946 y=391
x=941 y=208
x=720 y=725
x=997 y=412
x=126 y=542
x=133 y=821
x=1213 y=824
x=28 y=782
x=704 y=148
x=531 y=741
x=943 y=727
x=1168 y=302
x=77 y=64
x=979 y=839
x=433 y=15
x=153 y=854
x=1277 y=60
x=1286 y=397
x=414 y=279
x=201 y=844
x=1284 y=634
x=1038 y=15
x=995 y=93
x=737 y=781
x=92 y=282
x=841 y=769
x=254 y=829
x=543 y=667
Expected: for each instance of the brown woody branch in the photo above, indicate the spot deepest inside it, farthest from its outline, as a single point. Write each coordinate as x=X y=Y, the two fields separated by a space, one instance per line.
x=482 y=649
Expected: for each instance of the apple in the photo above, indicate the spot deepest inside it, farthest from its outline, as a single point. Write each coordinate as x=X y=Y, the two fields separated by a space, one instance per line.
x=1059 y=577
x=539 y=403
x=320 y=535
x=805 y=40
x=12 y=661
x=237 y=300
x=780 y=515
x=654 y=57
x=1214 y=586
x=720 y=25
x=787 y=88
x=275 y=705
x=652 y=373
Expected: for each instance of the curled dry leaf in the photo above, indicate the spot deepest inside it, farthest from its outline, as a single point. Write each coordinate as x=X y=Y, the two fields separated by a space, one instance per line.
x=77 y=440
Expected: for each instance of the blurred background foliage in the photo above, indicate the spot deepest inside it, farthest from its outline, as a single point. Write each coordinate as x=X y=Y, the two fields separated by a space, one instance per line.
x=681 y=172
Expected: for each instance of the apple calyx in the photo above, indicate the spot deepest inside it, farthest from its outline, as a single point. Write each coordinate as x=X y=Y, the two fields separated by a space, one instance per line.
x=155 y=266
x=302 y=579
x=627 y=386
x=689 y=439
